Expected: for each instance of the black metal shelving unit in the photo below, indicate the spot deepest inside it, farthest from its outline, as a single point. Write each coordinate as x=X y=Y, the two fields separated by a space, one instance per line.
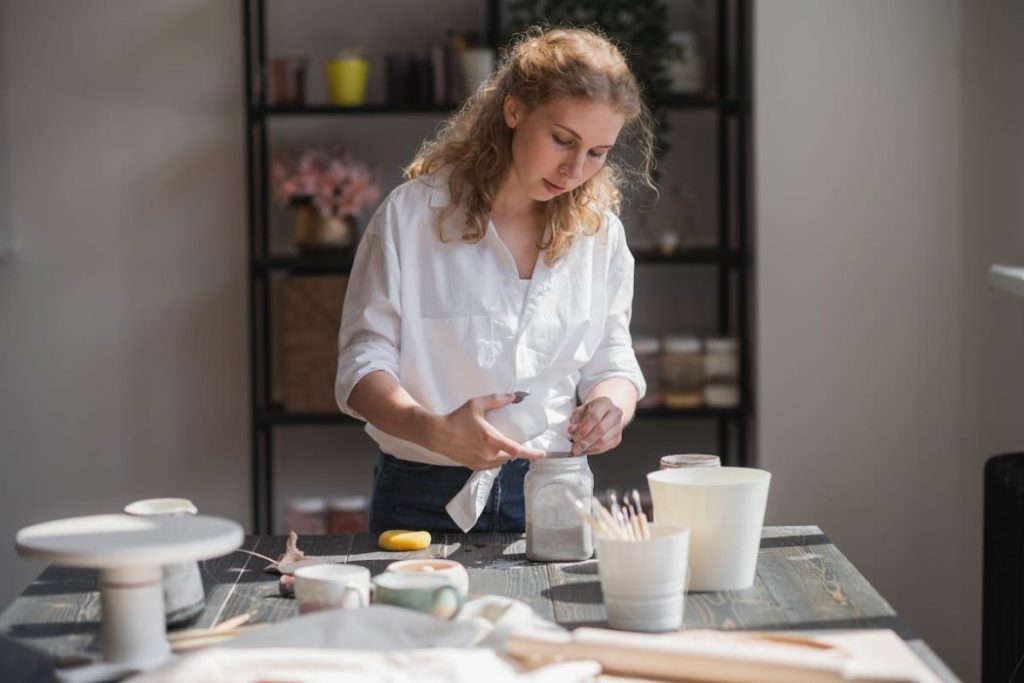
x=731 y=258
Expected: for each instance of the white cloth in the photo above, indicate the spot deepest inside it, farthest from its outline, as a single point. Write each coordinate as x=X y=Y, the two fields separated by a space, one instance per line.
x=446 y=319
x=378 y=643
x=305 y=665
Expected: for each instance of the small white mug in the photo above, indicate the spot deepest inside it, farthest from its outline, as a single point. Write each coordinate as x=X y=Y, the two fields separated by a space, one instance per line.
x=331 y=586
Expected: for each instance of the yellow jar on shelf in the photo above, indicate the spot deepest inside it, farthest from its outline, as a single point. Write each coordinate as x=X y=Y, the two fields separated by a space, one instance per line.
x=346 y=80
x=682 y=372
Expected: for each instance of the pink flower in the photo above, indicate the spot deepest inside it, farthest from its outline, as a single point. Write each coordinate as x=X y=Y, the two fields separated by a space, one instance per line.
x=336 y=183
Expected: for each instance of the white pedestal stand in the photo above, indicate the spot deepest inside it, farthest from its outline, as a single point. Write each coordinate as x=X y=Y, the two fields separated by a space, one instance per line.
x=128 y=552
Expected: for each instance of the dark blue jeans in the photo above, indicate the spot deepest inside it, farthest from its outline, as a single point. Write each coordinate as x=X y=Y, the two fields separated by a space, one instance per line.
x=412 y=495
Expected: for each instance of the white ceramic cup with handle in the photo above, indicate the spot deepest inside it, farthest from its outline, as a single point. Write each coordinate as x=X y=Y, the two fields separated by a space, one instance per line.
x=331 y=586
x=450 y=569
x=723 y=507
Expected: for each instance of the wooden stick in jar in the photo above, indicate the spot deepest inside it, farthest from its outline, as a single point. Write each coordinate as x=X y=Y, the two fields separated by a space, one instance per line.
x=581 y=510
x=645 y=531
x=613 y=529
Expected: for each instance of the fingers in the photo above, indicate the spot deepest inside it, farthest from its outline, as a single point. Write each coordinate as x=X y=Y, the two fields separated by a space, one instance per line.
x=599 y=430
x=514 y=450
x=493 y=401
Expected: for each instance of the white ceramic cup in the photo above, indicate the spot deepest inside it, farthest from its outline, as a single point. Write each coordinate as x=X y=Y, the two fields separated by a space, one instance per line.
x=184 y=596
x=331 y=586
x=644 y=582
x=723 y=507
x=449 y=569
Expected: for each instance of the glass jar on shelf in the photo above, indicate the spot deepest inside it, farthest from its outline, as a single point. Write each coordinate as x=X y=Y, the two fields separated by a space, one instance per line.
x=682 y=371
x=306 y=515
x=648 y=355
x=347 y=515
x=721 y=372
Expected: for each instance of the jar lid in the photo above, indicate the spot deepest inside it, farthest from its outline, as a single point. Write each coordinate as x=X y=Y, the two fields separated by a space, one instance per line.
x=721 y=344
x=307 y=504
x=347 y=503
x=682 y=344
x=689 y=460
x=161 y=506
x=646 y=345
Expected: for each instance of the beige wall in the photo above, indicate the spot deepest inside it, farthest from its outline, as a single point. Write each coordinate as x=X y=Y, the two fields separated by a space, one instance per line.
x=123 y=369
x=889 y=168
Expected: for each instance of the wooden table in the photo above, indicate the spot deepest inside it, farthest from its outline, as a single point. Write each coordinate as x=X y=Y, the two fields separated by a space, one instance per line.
x=803 y=583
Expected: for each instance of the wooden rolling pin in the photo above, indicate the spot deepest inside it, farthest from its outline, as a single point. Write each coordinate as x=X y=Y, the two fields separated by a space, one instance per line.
x=691 y=656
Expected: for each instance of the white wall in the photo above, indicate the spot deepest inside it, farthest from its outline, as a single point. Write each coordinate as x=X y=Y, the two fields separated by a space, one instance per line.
x=889 y=166
x=123 y=346
x=993 y=232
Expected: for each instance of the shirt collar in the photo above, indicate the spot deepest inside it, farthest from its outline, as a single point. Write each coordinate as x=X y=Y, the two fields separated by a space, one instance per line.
x=439 y=194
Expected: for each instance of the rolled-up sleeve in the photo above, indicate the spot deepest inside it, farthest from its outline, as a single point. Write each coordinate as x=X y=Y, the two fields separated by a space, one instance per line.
x=370 y=335
x=614 y=356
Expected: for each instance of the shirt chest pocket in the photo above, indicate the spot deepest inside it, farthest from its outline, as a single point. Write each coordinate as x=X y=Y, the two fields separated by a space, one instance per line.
x=467 y=336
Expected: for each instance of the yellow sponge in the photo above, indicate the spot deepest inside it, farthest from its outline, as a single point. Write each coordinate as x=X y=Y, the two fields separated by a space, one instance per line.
x=402 y=539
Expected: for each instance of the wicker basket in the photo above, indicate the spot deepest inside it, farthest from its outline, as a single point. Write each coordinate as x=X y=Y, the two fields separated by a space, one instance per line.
x=310 y=313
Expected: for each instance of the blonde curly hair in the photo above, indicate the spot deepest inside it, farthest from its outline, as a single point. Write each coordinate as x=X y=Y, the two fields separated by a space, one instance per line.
x=475 y=144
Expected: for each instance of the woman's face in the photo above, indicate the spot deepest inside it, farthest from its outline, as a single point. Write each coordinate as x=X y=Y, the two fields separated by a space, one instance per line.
x=559 y=145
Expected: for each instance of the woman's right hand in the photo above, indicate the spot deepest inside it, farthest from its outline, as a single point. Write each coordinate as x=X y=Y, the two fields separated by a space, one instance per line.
x=465 y=435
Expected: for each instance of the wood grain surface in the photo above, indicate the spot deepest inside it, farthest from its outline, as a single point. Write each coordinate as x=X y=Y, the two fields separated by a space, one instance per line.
x=803 y=583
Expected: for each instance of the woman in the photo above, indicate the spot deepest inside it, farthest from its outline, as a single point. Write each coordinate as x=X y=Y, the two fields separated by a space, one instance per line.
x=499 y=267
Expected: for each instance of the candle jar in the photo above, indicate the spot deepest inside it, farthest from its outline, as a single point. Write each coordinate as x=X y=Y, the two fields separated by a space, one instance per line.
x=682 y=370
x=306 y=516
x=721 y=372
x=346 y=515
x=648 y=356
x=554 y=530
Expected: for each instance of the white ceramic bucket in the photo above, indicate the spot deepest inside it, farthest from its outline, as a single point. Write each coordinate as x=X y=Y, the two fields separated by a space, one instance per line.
x=723 y=507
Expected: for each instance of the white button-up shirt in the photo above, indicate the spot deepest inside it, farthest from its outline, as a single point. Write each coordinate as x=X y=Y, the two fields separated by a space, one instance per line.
x=447 y=320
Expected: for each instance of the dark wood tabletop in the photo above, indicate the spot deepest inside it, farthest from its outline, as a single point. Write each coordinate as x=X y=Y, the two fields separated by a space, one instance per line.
x=804 y=583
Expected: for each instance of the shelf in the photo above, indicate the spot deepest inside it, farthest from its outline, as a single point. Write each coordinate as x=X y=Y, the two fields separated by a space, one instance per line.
x=306 y=264
x=674 y=413
x=280 y=417
x=703 y=255
x=330 y=264
x=728 y=110
x=333 y=110
x=674 y=102
x=696 y=102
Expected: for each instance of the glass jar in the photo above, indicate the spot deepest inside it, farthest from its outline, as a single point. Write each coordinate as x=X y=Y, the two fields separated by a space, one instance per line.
x=682 y=370
x=306 y=516
x=648 y=355
x=721 y=372
x=554 y=530
x=346 y=515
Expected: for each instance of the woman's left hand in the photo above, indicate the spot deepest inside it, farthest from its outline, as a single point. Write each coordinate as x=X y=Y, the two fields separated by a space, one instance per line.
x=595 y=426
